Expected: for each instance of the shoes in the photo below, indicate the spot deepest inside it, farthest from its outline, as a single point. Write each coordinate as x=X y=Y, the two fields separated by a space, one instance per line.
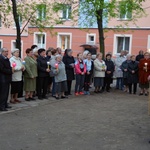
x=32 y=99
x=27 y=99
x=64 y=97
x=107 y=90
x=85 y=92
x=40 y=98
x=13 y=102
x=146 y=94
x=95 y=91
x=88 y=93
x=140 y=94
x=56 y=97
x=81 y=93
x=45 y=97
x=18 y=101
x=8 y=106
x=3 y=109
x=76 y=94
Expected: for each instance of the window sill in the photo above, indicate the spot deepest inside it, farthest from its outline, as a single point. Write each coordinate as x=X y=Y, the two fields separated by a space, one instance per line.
x=124 y=19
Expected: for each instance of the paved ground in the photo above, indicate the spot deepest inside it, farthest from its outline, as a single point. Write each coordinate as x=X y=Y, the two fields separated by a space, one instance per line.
x=108 y=121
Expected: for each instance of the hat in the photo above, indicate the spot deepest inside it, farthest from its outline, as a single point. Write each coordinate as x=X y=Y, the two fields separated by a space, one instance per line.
x=41 y=50
x=108 y=55
x=14 y=50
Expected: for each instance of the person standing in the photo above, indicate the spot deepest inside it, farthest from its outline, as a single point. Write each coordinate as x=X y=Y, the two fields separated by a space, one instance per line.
x=124 y=68
x=144 y=72
x=133 y=74
x=5 y=79
x=140 y=56
x=89 y=71
x=60 y=77
x=16 y=76
x=69 y=61
x=99 y=73
x=118 y=72
x=109 y=72
x=80 y=70
x=30 y=75
x=43 y=74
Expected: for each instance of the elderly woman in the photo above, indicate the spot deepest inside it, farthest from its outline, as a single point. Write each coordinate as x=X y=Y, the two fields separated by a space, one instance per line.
x=99 y=73
x=133 y=74
x=16 y=62
x=144 y=72
x=118 y=72
x=124 y=68
x=60 y=77
x=43 y=74
x=69 y=61
x=30 y=75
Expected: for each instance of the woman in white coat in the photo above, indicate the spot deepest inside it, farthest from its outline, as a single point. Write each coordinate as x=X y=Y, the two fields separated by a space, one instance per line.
x=99 y=73
x=16 y=63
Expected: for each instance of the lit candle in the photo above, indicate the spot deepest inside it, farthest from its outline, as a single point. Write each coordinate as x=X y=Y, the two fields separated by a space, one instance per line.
x=56 y=66
x=13 y=64
x=146 y=66
x=48 y=63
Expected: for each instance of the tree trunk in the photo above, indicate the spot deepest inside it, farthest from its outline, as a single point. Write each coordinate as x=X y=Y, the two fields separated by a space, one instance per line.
x=16 y=19
x=101 y=31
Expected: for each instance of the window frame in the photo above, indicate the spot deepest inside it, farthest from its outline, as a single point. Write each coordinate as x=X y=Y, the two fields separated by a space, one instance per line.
x=64 y=34
x=41 y=11
x=87 y=38
x=39 y=33
x=115 y=44
x=12 y=46
x=66 y=10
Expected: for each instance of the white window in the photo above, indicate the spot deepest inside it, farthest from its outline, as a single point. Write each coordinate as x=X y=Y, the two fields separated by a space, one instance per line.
x=64 y=40
x=122 y=42
x=40 y=40
x=65 y=13
x=41 y=11
x=90 y=39
x=0 y=21
x=1 y=44
x=125 y=12
x=13 y=46
x=148 y=43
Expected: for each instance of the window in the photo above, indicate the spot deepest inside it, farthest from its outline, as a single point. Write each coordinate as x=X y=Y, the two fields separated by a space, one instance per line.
x=41 y=12
x=64 y=41
x=66 y=12
x=1 y=44
x=20 y=21
x=40 y=40
x=122 y=43
x=0 y=21
x=148 y=43
x=91 y=38
x=13 y=46
x=125 y=12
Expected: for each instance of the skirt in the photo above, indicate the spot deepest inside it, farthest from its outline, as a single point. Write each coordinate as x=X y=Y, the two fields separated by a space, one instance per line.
x=98 y=81
x=15 y=87
x=61 y=86
x=29 y=84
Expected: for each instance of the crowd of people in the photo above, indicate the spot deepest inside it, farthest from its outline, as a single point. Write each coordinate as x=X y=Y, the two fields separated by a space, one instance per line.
x=43 y=71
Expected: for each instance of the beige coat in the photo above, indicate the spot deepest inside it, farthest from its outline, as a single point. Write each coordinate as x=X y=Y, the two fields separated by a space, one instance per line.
x=98 y=67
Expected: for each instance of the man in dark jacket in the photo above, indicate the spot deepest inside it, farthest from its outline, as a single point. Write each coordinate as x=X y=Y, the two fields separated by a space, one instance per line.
x=5 y=78
x=140 y=56
x=109 y=72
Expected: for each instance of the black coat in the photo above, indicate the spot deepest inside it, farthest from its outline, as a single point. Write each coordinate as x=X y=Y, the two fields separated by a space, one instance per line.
x=42 y=66
x=110 y=67
x=125 y=66
x=133 y=77
x=69 y=70
x=139 y=57
x=5 y=70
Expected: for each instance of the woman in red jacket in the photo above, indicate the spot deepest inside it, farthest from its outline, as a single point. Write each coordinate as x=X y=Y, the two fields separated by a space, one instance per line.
x=80 y=70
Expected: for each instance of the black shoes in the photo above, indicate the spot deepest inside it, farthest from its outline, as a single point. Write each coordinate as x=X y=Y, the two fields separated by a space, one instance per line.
x=64 y=97
x=8 y=107
x=3 y=109
x=32 y=99
x=27 y=99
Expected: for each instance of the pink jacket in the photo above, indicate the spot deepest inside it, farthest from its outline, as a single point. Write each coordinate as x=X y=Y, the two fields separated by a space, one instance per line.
x=77 y=67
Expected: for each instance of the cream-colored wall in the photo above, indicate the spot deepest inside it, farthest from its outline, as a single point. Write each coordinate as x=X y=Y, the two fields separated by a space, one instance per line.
x=143 y=22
